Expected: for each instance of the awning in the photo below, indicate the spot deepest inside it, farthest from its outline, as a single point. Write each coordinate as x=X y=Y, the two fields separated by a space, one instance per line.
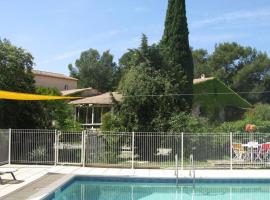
x=30 y=97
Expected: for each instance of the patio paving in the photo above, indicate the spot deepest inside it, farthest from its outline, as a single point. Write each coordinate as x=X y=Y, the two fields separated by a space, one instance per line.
x=34 y=187
x=29 y=176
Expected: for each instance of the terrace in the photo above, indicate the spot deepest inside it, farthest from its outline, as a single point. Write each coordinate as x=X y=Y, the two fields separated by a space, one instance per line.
x=38 y=153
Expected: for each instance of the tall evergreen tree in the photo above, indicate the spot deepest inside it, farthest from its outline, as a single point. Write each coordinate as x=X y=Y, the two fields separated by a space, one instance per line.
x=175 y=45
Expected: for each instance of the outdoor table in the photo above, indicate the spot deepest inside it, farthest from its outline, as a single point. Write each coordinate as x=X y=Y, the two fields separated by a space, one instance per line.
x=251 y=146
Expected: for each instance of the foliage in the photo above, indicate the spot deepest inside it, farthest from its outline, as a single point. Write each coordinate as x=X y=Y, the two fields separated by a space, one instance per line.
x=259 y=116
x=148 y=75
x=238 y=126
x=200 y=59
x=111 y=122
x=15 y=66
x=242 y=68
x=228 y=58
x=140 y=111
x=254 y=77
x=56 y=114
x=68 y=124
x=188 y=124
x=221 y=97
x=259 y=112
x=95 y=70
x=175 y=47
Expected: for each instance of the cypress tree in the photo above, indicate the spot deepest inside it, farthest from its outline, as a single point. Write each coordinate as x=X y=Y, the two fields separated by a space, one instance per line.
x=175 y=45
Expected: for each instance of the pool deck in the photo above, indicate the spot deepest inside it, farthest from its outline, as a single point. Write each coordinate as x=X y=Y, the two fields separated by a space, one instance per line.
x=40 y=177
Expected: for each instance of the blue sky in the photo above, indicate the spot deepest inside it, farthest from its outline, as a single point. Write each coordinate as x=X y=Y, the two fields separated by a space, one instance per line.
x=56 y=31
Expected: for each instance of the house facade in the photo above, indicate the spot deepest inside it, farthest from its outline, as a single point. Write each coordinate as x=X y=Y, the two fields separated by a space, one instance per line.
x=54 y=80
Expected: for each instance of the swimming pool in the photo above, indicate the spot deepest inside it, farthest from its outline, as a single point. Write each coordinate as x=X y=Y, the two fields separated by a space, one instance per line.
x=102 y=188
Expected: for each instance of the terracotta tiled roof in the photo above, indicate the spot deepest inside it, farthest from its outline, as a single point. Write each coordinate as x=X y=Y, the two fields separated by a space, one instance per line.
x=103 y=99
x=75 y=91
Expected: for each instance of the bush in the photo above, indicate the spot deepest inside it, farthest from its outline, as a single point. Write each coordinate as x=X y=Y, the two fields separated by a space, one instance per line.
x=239 y=126
x=259 y=112
x=111 y=122
x=185 y=123
x=68 y=125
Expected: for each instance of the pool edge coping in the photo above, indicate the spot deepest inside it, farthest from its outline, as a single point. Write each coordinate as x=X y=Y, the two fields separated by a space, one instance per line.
x=54 y=186
x=45 y=192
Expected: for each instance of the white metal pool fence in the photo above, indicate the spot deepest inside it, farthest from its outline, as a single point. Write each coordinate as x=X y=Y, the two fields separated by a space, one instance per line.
x=4 y=142
x=135 y=150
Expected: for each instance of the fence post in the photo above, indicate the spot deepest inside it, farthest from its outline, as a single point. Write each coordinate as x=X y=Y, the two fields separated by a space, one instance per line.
x=83 y=148
x=9 y=146
x=182 y=151
x=133 y=143
x=231 y=151
x=176 y=166
x=55 y=147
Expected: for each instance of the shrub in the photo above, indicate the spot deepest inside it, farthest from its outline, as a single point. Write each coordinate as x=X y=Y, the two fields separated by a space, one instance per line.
x=68 y=125
x=259 y=112
x=111 y=122
x=182 y=122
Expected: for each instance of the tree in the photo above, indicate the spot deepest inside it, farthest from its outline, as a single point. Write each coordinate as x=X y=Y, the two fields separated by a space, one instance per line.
x=147 y=75
x=15 y=66
x=55 y=114
x=244 y=69
x=254 y=78
x=175 y=45
x=228 y=59
x=95 y=70
x=200 y=58
x=144 y=77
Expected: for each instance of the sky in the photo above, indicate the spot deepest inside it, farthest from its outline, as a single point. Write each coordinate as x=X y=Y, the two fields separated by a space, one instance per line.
x=55 y=32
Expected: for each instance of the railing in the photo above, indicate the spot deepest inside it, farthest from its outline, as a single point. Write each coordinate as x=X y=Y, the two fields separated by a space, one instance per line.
x=32 y=146
x=135 y=150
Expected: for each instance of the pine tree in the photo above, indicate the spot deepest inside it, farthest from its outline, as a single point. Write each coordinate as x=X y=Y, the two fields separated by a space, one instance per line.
x=175 y=45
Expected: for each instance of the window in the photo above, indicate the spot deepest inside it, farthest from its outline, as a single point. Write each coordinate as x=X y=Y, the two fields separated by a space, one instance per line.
x=66 y=87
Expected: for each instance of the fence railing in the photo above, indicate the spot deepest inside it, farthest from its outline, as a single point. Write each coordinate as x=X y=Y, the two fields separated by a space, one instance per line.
x=135 y=150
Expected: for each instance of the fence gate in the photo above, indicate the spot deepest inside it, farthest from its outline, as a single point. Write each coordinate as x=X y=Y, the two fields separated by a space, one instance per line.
x=69 y=148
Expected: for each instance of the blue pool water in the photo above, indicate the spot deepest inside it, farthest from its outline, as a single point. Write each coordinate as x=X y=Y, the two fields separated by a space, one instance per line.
x=95 y=188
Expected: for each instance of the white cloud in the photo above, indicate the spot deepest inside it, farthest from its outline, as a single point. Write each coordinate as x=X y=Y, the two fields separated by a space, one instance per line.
x=233 y=16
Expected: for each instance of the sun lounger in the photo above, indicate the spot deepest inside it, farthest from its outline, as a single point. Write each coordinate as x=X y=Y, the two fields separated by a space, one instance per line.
x=7 y=171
